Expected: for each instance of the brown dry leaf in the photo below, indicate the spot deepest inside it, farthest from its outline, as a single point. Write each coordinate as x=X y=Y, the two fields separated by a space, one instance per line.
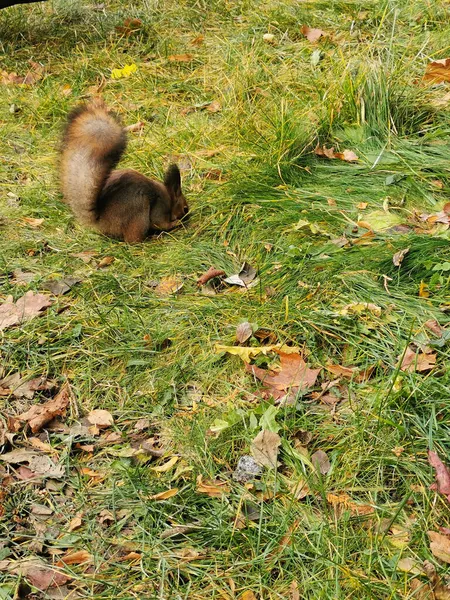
x=27 y=307
x=59 y=287
x=409 y=565
x=340 y=371
x=85 y=256
x=434 y=326
x=168 y=285
x=180 y=57
x=398 y=257
x=130 y=556
x=442 y=484
x=38 y=464
x=214 y=107
x=75 y=523
x=346 y=155
x=321 y=462
x=438 y=71
x=40 y=414
x=39 y=574
x=293 y=588
x=105 y=262
x=214 y=489
x=419 y=362
x=34 y=74
x=94 y=476
x=440 y=546
x=210 y=274
x=165 y=495
x=247 y=595
x=129 y=26
x=198 y=40
x=102 y=419
x=14 y=384
x=139 y=126
x=286 y=539
x=311 y=34
x=75 y=558
x=35 y=442
x=264 y=448
x=33 y=222
x=294 y=373
x=244 y=332
x=343 y=501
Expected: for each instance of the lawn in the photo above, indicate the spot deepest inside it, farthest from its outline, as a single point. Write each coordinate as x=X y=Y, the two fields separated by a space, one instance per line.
x=147 y=504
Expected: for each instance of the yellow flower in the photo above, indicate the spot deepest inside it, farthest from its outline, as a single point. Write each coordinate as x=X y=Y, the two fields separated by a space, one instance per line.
x=125 y=72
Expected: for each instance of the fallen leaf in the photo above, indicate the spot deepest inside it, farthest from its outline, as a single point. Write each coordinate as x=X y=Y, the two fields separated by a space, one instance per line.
x=20 y=388
x=419 y=362
x=100 y=418
x=442 y=484
x=247 y=595
x=439 y=546
x=198 y=40
x=214 y=489
x=210 y=274
x=360 y=308
x=168 y=285
x=409 y=565
x=340 y=371
x=264 y=448
x=166 y=466
x=129 y=26
x=244 y=332
x=245 y=276
x=25 y=308
x=34 y=74
x=321 y=462
x=58 y=287
x=23 y=276
x=38 y=464
x=344 y=502
x=346 y=155
x=75 y=558
x=180 y=57
x=139 y=126
x=75 y=523
x=165 y=495
x=311 y=34
x=178 y=530
x=398 y=257
x=40 y=414
x=293 y=588
x=247 y=353
x=105 y=262
x=39 y=574
x=438 y=71
x=33 y=222
x=130 y=556
x=214 y=107
x=66 y=90
x=293 y=373
x=85 y=256
x=42 y=446
x=434 y=326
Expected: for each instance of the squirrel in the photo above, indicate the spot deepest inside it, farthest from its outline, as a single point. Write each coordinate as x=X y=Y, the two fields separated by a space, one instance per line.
x=123 y=204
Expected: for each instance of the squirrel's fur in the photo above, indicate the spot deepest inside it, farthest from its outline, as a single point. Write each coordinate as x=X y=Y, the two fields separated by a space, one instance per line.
x=123 y=204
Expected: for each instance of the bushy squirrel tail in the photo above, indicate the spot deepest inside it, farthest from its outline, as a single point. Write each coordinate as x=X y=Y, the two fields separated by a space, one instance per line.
x=93 y=143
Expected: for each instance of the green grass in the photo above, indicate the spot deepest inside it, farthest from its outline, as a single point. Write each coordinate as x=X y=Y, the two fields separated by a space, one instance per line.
x=136 y=354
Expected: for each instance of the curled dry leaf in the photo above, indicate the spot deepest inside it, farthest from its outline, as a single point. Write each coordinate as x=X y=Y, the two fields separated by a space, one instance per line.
x=58 y=287
x=434 y=326
x=129 y=26
x=27 y=307
x=75 y=558
x=75 y=523
x=139 y=126
x=442 y=484
x=398 y=257
x=100 y=418
x=419 y=362
x=214 y=489
x=168 y=285
x=33 y=222
x=264 y=448
x=244 y=332
x=210 y=274
x=165 y=495
x=17 y=386
x=343 y=501
x=214 y=107
x=105 y=262
x=166 y=466
x=245 y=276
x=40 y=414
x=438 y=71
x=312 y=35
x=346 y=155
x=198 y=40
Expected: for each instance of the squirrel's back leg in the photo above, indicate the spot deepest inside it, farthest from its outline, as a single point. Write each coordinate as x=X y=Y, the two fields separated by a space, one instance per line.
x=136 y=229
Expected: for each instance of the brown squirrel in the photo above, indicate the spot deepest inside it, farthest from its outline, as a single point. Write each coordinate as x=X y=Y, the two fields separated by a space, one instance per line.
x=122 y=204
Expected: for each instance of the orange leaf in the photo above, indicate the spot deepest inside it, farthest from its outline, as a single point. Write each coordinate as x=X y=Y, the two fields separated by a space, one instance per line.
x=40 y=414
x=311 y=34
x=417 y=362
x=214 y=489
x=165 y=495
x=180 y=57
x=198 y=41
x=438 y=71
x=75 y=558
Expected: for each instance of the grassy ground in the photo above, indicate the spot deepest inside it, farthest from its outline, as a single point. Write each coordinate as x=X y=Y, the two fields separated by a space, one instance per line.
x=251 y=177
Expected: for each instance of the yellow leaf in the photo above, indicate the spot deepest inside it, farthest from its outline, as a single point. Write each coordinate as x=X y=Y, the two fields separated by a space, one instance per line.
x=423 y=290
x=125 y=72
x=165 y=495
x=214 y=489
x=248 y=595
x=166 y=466
x=247 y=353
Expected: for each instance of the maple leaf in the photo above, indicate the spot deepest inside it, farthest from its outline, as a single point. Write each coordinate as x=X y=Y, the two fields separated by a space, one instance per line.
x=442 y=484
x=27 y=307
x=294 y=373
x=417 y=362
x=312 y=35
x=438 y=71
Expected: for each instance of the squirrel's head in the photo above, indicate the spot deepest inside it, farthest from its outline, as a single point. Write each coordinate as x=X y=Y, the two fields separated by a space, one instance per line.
x=172 y=183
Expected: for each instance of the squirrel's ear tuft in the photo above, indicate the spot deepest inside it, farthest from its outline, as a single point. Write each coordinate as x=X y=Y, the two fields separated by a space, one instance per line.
x=172 y=181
